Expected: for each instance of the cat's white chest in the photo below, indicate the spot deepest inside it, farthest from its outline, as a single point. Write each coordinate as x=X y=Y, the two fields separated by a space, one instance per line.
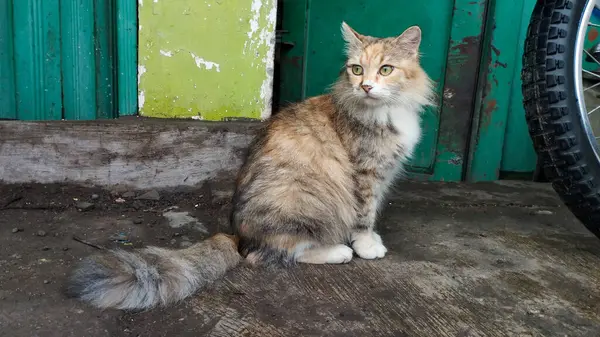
x=406 y=122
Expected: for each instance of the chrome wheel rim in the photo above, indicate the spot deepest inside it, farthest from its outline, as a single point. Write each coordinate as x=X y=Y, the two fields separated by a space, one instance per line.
x=589 y=111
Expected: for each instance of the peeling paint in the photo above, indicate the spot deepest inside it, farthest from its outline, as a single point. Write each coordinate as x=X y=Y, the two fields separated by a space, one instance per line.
x=268 y=37
x=255 y=40
x=141 y=71
x=166 y=53
x=255 y=8
x=233 y=47
x=457 y=160
x=141 y=99
x=448 y=93
x=207 y=64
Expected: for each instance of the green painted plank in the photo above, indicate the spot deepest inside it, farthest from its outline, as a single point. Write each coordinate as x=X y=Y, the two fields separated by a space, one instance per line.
x=466 y=38
x=106 y=58
x=518 y=154
x=127 y=35
x=78 y=59
x=37 y=59
x=8 y=107
x=500 y=74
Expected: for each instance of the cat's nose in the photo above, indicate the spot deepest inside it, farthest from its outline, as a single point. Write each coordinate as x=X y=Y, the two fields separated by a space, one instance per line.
x=366 y=88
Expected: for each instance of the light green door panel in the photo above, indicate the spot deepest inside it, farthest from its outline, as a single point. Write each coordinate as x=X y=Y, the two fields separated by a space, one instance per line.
x=208 y=60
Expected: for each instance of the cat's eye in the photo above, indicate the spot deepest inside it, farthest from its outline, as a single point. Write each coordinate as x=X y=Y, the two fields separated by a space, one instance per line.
x=357 y=70
x=386 y=70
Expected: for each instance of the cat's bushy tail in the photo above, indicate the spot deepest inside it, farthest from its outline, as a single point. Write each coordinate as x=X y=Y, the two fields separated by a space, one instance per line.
x=152 y=276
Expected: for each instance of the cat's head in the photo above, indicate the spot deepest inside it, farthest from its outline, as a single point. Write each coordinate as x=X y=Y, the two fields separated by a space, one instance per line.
x=383 y=71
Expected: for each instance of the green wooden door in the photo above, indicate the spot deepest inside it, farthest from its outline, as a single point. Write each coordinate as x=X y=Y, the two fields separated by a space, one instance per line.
x=312 y=54
x=67 y=59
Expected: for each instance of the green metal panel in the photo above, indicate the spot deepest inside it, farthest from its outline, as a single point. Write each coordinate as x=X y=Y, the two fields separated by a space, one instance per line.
x=58 y=59
x=500 y=138
x=8 y=108
x=293 y=24
x=452 y=33
x=518 y=154
x=127 y=34
x=78 y=59
x=36 y=25
x=464 y=56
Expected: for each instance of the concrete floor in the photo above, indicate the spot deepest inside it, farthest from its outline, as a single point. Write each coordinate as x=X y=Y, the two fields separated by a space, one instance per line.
x=498 y=259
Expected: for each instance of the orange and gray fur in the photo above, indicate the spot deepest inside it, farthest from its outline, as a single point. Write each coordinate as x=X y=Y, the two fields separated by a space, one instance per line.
x=151 y=276
x=309 y=190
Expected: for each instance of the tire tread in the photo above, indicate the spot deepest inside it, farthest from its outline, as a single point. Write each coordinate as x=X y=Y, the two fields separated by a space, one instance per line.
x=550 y=120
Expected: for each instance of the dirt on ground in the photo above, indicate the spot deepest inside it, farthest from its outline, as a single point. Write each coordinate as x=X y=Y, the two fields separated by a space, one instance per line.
x=503 y=259
x=46 y=229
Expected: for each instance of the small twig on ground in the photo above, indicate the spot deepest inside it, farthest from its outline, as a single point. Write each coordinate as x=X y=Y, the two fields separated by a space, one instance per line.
x=85 y=242
x=11 y=200
x=37 y=208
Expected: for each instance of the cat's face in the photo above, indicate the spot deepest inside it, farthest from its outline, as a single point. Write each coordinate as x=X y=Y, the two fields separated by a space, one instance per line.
x=379 y=71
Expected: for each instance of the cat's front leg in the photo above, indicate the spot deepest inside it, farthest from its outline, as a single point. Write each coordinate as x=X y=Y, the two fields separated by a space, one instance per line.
x=365 y=242
x=368 y=245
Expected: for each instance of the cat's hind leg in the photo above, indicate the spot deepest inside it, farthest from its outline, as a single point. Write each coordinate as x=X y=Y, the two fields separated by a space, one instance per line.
x=286 y=249
x=333 y=254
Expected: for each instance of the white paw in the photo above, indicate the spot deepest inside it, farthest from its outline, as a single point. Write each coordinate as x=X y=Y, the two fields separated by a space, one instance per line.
x=339 y=254
x=377 y=238
x=368 y=245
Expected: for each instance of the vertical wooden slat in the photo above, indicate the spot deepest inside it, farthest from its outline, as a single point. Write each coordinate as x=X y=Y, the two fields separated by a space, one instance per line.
x=8 y=108
x=106 y=57
x=37 y=59
x=127 y=33
x=78 y=59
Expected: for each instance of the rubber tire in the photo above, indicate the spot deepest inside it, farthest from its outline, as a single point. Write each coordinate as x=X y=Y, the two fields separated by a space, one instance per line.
x=553 y=117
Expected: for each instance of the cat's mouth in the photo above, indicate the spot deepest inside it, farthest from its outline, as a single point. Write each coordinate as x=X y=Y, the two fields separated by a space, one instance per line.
x=370 y=100
x=370 y=97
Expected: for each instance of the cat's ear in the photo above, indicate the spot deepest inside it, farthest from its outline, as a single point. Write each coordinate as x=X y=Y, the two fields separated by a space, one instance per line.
x=352 y=38
x=410 y=40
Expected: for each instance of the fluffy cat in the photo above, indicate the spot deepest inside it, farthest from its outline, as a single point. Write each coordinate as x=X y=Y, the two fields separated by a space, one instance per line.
x=309 y=190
